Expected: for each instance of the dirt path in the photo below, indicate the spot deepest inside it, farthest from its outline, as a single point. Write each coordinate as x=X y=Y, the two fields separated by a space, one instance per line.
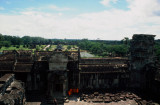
x=86 y=54
x=46 y=47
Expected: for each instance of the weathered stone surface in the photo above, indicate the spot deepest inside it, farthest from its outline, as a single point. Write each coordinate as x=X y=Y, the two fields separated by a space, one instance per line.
x=58 y=62
x=13 y=93
x=142 y=60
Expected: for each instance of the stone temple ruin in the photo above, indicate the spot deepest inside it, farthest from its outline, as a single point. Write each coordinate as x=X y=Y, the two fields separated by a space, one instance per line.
x=12 y=91
x=58 y=74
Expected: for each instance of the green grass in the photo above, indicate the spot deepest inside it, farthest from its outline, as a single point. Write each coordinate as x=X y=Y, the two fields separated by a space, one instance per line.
x=42 y=46
x=51 y=48
x=73 y=47
x=14 y=48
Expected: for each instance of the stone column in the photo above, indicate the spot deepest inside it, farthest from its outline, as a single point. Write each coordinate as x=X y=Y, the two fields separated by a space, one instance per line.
x=97 y=85
x=79 y=81
x=35 y=82
x=29 y=82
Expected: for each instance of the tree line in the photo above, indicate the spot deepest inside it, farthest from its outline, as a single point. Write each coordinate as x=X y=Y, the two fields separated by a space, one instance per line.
x=7 y=40
x=103 y=49
x=97 y=47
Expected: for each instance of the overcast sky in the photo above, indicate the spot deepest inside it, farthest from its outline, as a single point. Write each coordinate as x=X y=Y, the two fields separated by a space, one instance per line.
x=77 y=19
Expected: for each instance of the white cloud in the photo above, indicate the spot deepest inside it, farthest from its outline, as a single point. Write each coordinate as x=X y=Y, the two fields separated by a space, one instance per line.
x=107 y=2
x=144 y=7
x=1 y=8
x=54 y=7
x=47 y=7
x=110 y=24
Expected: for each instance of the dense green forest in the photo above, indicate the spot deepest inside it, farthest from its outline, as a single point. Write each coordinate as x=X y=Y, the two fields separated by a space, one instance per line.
x=103 y=49
x=7 y=40
x=97 y=47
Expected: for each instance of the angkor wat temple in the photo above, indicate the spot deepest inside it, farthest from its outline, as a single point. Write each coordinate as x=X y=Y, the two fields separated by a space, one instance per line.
x=54 y=73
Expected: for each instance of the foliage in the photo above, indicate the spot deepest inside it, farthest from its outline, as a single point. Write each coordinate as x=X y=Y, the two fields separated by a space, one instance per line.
x=68 y=47
x=38 y=48
x=157 y=50
x=34 y=40
x=5 y=43
x=26 y=40
x=47 y=49
x=102 y=49
x=96 y=47
x=126 y=41
x=14 y=48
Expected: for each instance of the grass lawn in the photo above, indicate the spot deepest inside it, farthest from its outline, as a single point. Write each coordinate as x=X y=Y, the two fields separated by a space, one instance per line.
x=73 y=47
x=52 y=47
x=14 y=48
x=41 y=47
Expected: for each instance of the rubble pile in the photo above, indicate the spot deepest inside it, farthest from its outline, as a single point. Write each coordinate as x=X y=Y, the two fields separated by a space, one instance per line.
x=12 y=91
x=111 y=97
